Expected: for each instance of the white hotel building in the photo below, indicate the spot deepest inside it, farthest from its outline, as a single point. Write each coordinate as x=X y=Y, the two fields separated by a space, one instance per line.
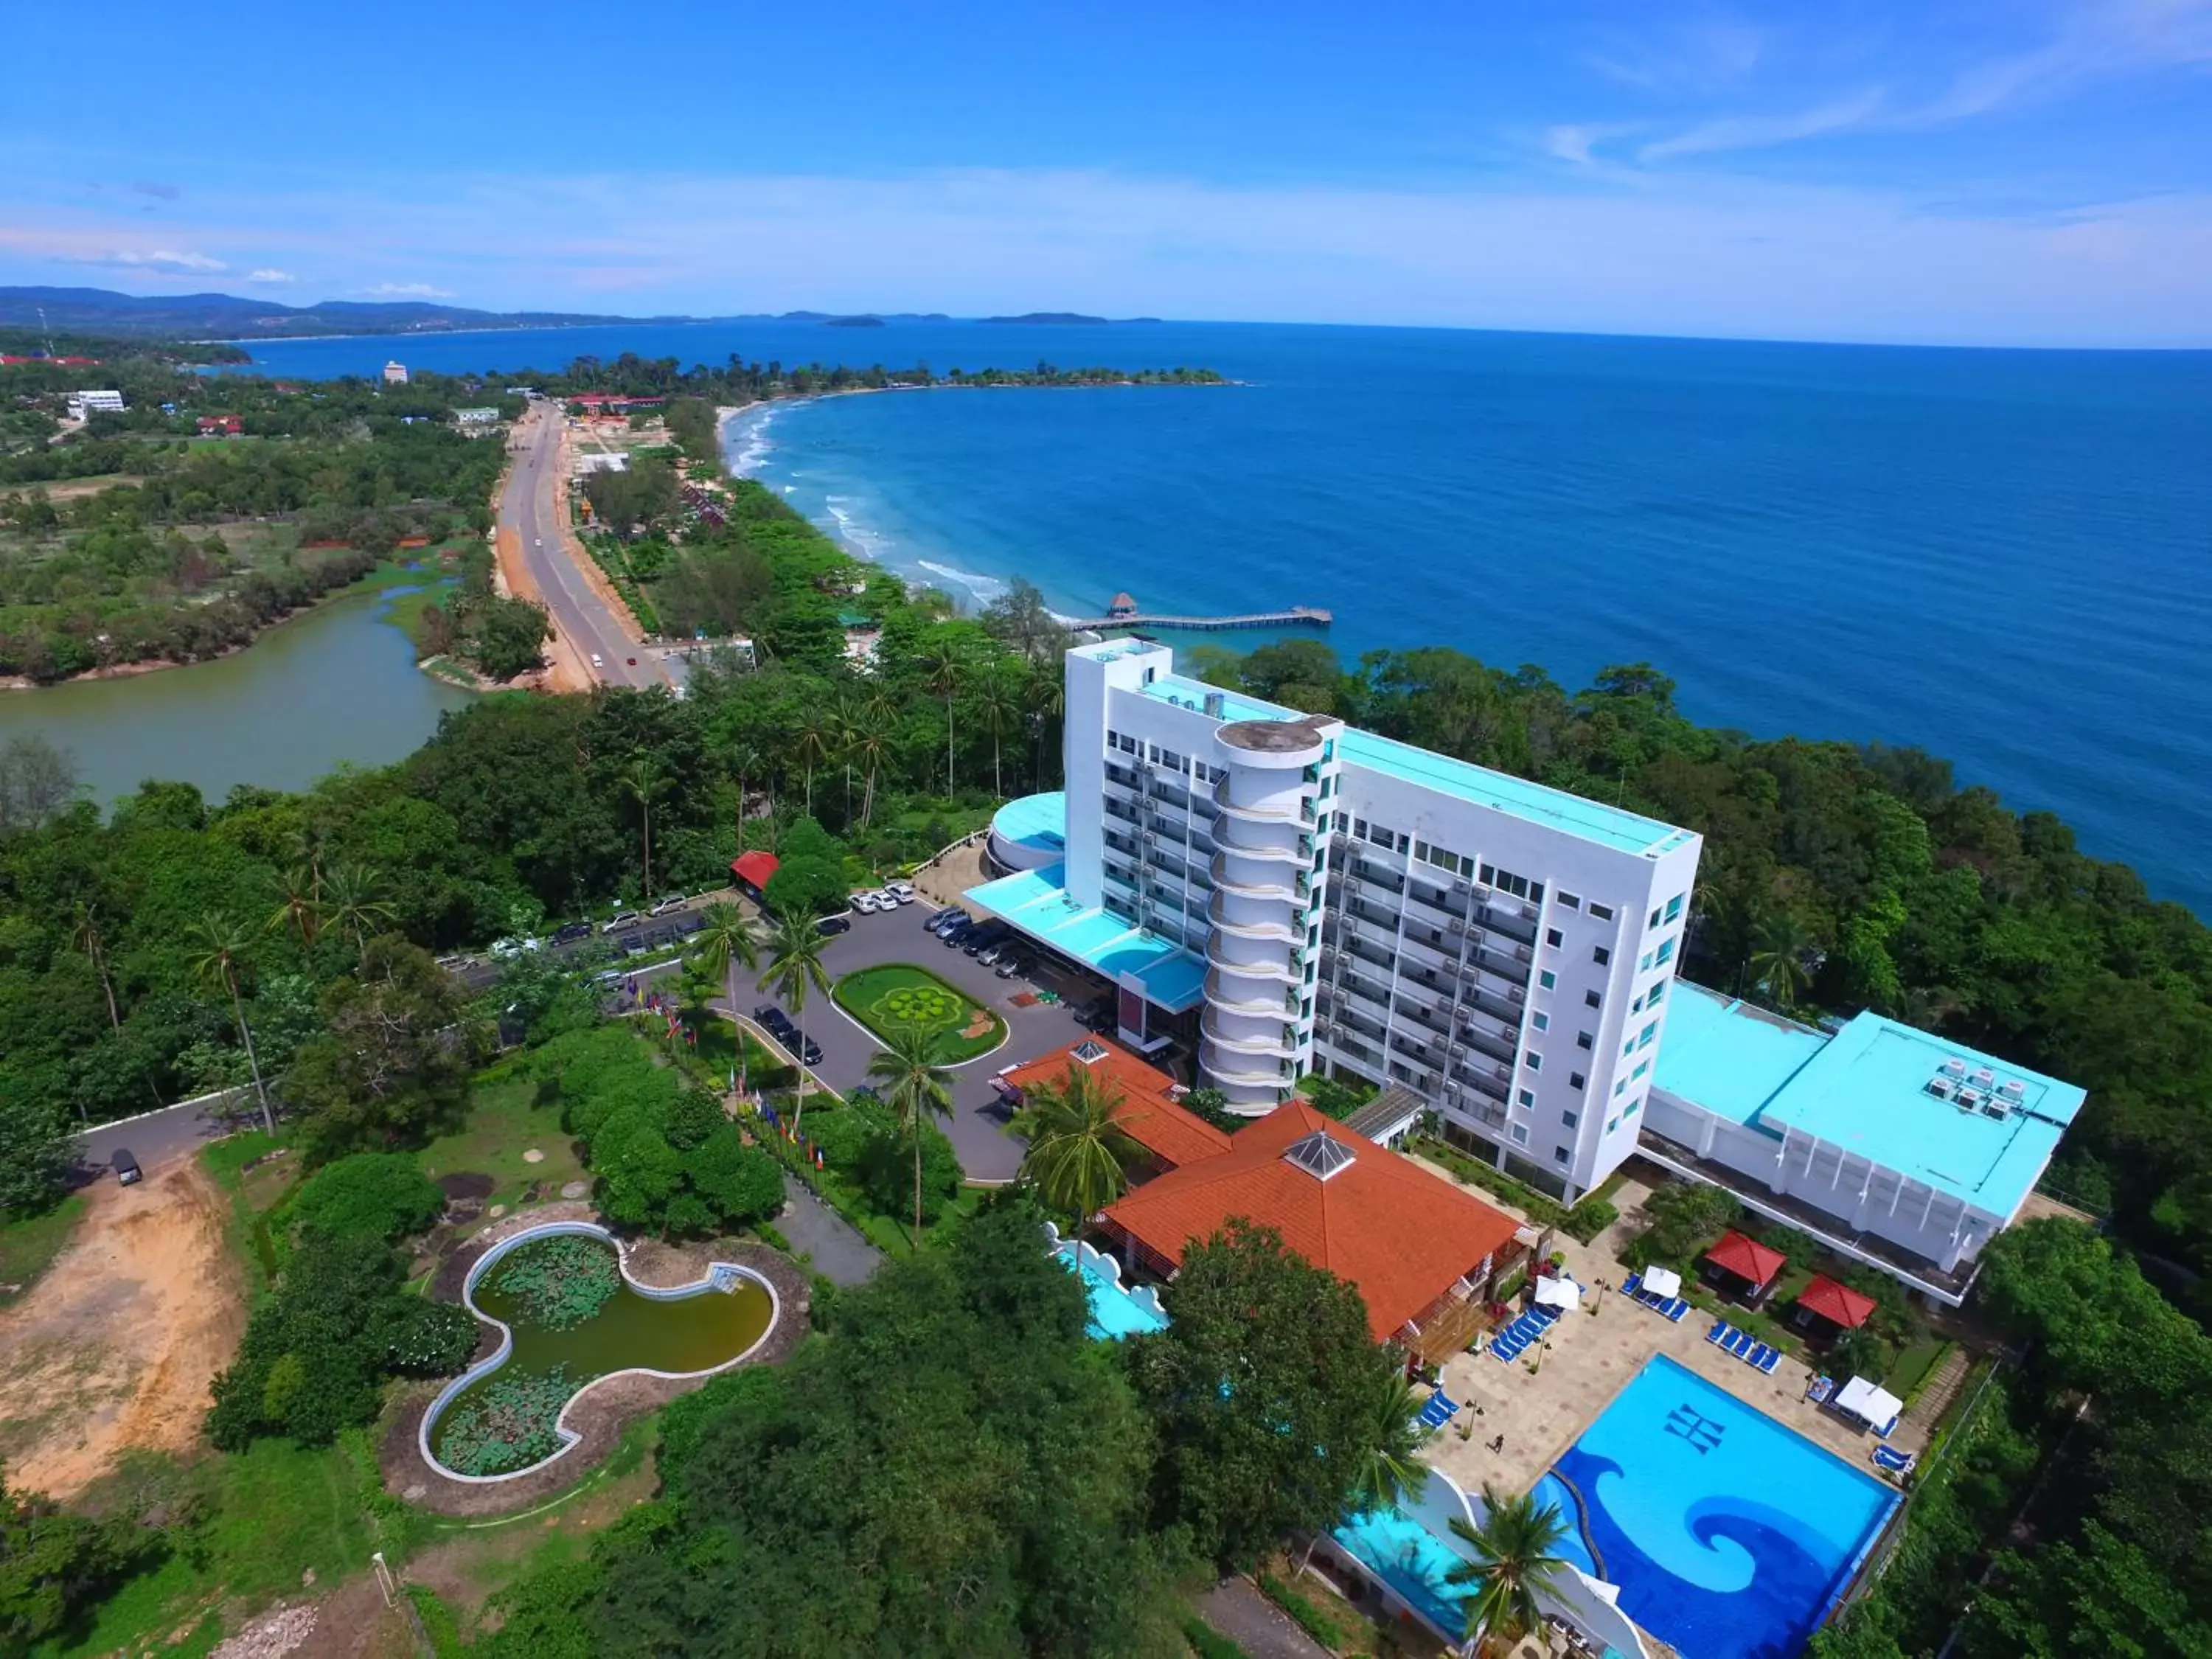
x=1282 y=894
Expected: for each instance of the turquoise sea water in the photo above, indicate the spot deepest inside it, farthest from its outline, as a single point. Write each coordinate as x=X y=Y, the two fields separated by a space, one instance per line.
x=2003 y=557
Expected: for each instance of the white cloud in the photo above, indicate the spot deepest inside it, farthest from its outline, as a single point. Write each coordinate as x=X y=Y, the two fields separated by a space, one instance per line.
x=150 y=259
x=1765 y=132
x=269 y=273
x=408 y=291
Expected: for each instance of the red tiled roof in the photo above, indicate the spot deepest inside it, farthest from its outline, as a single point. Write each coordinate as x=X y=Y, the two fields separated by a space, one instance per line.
x=1746 y=1258
x=754 y=868
x=1148 y=1112
x=1837 y=1303
x=1402 y=1236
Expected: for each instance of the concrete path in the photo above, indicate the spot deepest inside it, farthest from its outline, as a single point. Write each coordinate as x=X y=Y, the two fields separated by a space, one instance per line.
x=832 y=1245
x=1234 y=1609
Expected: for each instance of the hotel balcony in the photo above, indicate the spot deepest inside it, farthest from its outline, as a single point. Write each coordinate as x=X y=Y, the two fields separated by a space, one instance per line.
x=1283 y=1045
x=1234 y=993
x=1282 y=971
x=1287 y=890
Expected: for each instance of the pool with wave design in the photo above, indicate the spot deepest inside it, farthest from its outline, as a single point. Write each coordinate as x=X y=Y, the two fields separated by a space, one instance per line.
x=1729 y=1535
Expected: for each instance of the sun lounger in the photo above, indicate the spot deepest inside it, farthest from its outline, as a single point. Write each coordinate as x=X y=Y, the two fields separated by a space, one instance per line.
x=1676 y=1310
x=1721 y=1332
x=1821 y=1388
x=1896 y=1463
x=1742 y=1345
x=1633 y=1285
x=1886 y=1429
x=1765 y=1359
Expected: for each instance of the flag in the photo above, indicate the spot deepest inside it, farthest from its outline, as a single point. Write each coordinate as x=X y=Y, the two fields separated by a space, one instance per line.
x=818 y=1157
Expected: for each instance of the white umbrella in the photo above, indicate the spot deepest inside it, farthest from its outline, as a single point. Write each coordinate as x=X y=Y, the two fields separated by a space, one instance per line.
x=1561 y=1293
x=1662 y=1281
x=1872 y=1405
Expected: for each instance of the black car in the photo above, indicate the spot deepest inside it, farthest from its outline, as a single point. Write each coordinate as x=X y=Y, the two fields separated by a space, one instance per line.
x=958 y=932
x=125 y=1167
x=571 y=933
x=832 y=926
x=977 y=939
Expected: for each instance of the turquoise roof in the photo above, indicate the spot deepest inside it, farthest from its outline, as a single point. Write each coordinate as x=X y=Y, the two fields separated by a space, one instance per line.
x=1038 y=821
x=1865 y=1090
x=1037 y=902
x=1729 y=1057
x=1554 y=809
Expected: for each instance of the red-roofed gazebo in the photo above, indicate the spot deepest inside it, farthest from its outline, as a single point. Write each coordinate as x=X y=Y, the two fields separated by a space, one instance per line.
x=753 y=869
x=1842 y=1307
x=1748 y=1261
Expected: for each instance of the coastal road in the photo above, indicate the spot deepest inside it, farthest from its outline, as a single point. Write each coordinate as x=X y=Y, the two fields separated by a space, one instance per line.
x=529 y=504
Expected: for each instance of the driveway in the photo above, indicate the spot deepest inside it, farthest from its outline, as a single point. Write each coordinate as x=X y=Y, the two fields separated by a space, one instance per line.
x=832 y=1246
x=155 y=1137
x=977 y=1128
x=1237 y=1610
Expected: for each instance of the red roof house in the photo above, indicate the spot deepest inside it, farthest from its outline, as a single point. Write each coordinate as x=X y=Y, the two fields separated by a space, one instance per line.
x=753 y=870
x=1840 y=1305
x=1749 y=1261
x=1422 y=1252
x=225 y=426
x=1148 y=1108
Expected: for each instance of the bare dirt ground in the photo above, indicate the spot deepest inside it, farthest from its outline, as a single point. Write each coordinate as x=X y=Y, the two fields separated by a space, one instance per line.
x=115 y=1346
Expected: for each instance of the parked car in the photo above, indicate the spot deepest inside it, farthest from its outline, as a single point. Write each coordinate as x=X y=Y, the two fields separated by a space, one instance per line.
x=671 y=901
x=620 y=919
x=944 y=918
x=990 y=953
x=980 y=939
x=863 y=904
x=127 y=1172
x=769 y=1015
x=515 y=947
x=903 y=891
x=571 y=933
x=1012 y=965
x=834 y=925
x=959 y=931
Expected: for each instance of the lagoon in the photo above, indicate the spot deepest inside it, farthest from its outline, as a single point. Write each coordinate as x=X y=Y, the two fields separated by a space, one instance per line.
x=337 y=684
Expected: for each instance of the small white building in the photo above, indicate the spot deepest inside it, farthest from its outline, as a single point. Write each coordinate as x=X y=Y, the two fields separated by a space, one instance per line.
x=395 y=373
x=83 y=404
x=601 y=460
x=476 y=416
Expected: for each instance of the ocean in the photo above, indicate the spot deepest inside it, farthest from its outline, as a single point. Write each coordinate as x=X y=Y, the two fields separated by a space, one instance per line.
x=2003 y=557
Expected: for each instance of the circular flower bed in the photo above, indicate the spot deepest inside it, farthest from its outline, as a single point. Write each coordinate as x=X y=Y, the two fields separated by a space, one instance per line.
x=899 y=997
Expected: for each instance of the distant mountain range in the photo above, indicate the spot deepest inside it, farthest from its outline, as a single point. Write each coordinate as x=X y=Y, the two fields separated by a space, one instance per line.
x=228 y=317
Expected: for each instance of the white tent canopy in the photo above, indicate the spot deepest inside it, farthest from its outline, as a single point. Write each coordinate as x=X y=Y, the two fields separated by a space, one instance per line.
x=1561 y=1293
x=1662 y=1281
x=1870 y=1404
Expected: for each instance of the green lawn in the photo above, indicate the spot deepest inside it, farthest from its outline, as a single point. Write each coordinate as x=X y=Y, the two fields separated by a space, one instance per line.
x=26 y=1246
x=505 y=1122
x=900 y=996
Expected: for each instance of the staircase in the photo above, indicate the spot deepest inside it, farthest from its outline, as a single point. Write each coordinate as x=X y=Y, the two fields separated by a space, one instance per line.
x=1942 y=1388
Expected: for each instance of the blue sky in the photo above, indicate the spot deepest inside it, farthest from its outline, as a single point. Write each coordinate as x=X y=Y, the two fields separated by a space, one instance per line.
x=2015 y=171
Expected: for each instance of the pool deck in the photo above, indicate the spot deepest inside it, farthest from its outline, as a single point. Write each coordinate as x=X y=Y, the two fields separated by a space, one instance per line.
x=1591 y=1359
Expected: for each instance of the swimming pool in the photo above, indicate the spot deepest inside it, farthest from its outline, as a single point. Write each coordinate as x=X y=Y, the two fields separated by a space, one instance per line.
x=1115 y=1311
x=1729 y=1535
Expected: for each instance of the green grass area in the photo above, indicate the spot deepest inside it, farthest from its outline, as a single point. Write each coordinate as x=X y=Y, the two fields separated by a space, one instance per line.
x=252 y=1194
x=505 y=1121
x=27 y=1246
x=273 y=1512
x=899 y=996
x=1916 y=1363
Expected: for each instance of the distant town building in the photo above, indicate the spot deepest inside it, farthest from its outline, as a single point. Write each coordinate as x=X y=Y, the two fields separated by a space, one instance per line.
x=84 y=404
x=612 y=402
x=220 y=426
x=614 y=461
x=476 y=416
x=395 y=373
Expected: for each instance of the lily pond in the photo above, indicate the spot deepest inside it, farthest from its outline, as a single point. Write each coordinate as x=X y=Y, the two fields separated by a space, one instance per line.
x=574 y=1318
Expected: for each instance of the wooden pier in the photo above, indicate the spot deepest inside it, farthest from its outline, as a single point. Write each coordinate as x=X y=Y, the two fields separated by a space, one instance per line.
x=1125 y=614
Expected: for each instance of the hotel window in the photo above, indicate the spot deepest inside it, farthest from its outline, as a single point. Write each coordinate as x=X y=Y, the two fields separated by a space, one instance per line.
x=1633 y=1107
x=1359 y=828
x=1621 y=1088
x=1571 y=900
x=1654 y=922
x=1674 y=907
x=1563 y=1156
x=1651 y=997
x=1575 y=1080
x=1636 y=1006
x=1601 y=913
x=1644 y=1037
x=1665 y=953
x=1554 y=938
x=1526 y=1098
x=1520 y=1134
x=1611 y=1124
x=1592 y=1000
x=1644 y=963
x=1548 y=979
x=1536 y=1062
x=1642 y=1067
x=1541 y=1022
x=1600 y=955
x=1628 y=1048
x=1585 y=1039
x=1112 y=738
x=1568 y=1120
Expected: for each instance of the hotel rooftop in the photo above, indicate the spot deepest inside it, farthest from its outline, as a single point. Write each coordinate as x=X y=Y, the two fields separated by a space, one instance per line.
x=1038 y=902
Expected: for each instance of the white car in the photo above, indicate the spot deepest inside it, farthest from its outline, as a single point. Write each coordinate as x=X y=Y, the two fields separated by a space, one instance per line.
x=596 y=660
x=867 y=904
x=511 y=947
x=903 y=891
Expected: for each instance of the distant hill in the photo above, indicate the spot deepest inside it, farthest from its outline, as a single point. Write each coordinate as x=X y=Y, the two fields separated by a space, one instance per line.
x=1067 y=319
x=855 y=322
x=227 y=316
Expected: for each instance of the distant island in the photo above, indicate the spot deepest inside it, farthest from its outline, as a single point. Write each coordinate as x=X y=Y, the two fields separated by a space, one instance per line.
x=1064 y=319
x=855 y=322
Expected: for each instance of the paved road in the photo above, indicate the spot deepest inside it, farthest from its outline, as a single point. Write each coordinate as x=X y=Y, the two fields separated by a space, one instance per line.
x=1237 y=1610
x=832 y=1246
x=529 y=504
x=156 y=1137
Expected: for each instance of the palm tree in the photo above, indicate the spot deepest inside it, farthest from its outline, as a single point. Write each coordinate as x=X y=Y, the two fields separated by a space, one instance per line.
x=1047 y=698
x=943 y=672
x=220 y=948
x=916 y=1087
x=794 y=968
x=1078 y=1155
x=813 y=740
x=642 y=782
x=869 y=735
x=299 y=897
x=724 y=940
x=85 y=935
x=999 y=702
x=746 y=762
x=350 y=904
x=1515 y=1558
x=1778 y=958
x=1385 y=1468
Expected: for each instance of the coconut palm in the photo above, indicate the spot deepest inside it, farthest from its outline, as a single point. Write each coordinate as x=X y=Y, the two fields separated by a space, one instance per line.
x=945 y=672
x=813 y=740
x=1778 y=958
x=746 y=762
x=869 y=736
x=642 y=782
x=298 y=900
x=1516 y=1560
x=724 y=940
x=1047 y=700
x=350 y=904
x=1078 y=1155
x=1384 y=1467
x=913 y=1084
x=219 y=950
x=999 y=704
x=794 y=968
x=87 y=935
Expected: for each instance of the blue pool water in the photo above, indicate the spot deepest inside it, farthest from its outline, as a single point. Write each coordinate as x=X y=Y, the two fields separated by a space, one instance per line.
x=1730 y=1535
x=1115 y=1314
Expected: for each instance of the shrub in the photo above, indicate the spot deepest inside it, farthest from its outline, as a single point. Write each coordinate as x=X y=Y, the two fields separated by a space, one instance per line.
x=561 y=1282
x=507 y=1424
x=1589 y=1218
x=379 y=1195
